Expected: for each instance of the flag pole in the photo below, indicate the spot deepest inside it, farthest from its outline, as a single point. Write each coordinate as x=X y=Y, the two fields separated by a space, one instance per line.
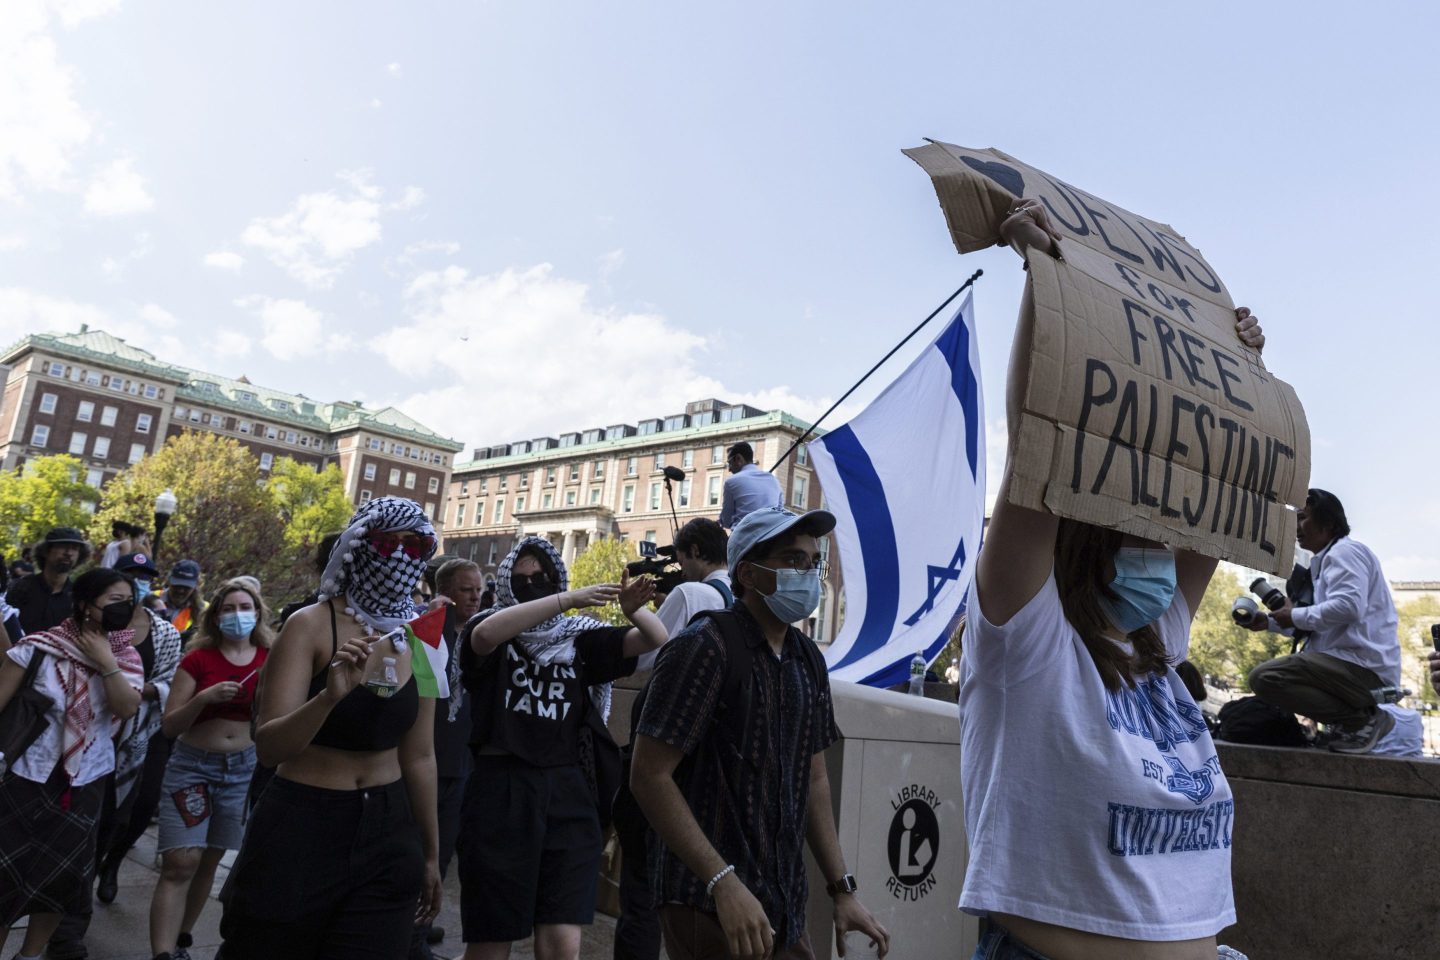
x=933 y=314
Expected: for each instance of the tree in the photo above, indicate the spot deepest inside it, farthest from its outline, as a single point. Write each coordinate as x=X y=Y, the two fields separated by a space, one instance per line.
x=310 y=504
x=226 y=521
x=45 y=494
x=1415 y=620
x=603 y=562
x=1221 y=648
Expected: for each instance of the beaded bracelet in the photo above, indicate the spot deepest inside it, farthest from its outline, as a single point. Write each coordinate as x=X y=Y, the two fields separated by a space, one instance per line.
x=710 y=887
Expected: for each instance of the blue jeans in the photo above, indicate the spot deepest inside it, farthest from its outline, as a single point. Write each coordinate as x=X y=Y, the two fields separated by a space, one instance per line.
x=997 y=944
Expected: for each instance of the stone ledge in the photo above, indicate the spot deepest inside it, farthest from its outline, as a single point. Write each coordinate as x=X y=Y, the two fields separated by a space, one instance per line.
x=1396 y=776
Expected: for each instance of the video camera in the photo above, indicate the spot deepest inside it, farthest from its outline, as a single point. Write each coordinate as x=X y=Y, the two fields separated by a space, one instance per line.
x=667 y=572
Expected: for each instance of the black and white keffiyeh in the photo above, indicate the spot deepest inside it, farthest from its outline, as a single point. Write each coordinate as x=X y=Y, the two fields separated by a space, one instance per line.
x=552 y=640
x=378 y=590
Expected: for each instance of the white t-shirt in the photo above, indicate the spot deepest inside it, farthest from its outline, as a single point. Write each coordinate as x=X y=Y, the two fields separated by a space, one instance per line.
x=98 y=757
x=1098 y=811
x=683 y=603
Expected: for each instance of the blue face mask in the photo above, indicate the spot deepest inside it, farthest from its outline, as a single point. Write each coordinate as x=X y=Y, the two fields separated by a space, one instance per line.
x=1145 y=582
x=797 y=593
x=142 y=589
x=238 y=623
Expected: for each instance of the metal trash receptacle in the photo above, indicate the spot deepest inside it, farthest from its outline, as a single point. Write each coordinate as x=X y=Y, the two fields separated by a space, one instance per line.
x=895 y=787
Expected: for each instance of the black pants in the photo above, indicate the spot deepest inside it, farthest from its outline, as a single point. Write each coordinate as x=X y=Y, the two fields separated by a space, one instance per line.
x=448 y=794
x=324 y=874
x=637 y=932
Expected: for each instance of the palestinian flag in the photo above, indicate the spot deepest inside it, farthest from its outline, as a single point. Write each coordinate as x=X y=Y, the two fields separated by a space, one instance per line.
x=428 y=653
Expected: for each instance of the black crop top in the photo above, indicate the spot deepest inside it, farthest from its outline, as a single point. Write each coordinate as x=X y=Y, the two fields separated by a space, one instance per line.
x=363 y=721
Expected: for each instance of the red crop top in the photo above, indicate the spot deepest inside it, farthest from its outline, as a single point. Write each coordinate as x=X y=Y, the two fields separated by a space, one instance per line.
x=208 y=666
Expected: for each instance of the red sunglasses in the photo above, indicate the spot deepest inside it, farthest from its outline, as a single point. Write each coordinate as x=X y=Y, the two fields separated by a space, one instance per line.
x=417 y=546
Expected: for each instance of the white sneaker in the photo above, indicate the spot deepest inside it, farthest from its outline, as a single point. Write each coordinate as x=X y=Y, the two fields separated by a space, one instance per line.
x=1364 y=739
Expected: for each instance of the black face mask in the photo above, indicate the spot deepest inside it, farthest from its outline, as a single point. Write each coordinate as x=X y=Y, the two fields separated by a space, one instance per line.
x=117 y=615
x=526 y=589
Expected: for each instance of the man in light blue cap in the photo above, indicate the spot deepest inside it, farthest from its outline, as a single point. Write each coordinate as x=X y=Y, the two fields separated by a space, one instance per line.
x=746 y=697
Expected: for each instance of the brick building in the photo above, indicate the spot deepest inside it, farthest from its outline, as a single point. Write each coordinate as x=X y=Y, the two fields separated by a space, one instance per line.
x=109 y=403
x=607 y=482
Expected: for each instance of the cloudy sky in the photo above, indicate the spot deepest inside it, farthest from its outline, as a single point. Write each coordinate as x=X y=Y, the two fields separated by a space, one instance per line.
x=519 y=218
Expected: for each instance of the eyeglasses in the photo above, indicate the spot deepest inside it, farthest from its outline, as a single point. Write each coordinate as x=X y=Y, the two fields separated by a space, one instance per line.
x=539 y=579
x=800 y=563
x=417 y=546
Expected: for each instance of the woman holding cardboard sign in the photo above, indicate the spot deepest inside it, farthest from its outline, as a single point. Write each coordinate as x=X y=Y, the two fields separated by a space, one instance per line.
x=1108 y=833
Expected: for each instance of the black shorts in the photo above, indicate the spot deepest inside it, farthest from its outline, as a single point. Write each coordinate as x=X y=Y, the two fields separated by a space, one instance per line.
x=529 y=849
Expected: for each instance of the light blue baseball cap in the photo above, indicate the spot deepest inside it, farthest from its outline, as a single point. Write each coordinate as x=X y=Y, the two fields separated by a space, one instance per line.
x=760 y=525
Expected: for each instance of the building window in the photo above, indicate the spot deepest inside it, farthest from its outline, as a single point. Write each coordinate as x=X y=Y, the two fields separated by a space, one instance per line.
x=627 y=499
x=524 y=480
x=632 y=466
x=364 y=496
x=717 y=454
x=47 y=402
x=108 y=415
x=685 y=493
x=798 y=489
x=712 y=490
x=597 y=470
x=102 y=448
x=801 y=457
x=494 y=551
x=549 y=474
x=687 y=459
x=504 y=483
x=659 y=461
x=459 y=514
x=86 y=413
x=92 y=378
x=569 y=498
x=94 y=477
x=464 y=487
x=679 y=422
x=376 y=444
x=290 y=436
x=650 y=535
x=142 y=423
x=243 y=426
x=484 y=482
x=654 y=496
x=394 y=476
x=194 y=416
x=519 y=503
x=77 y=443
x=54 y=369
x=271 y=433
x=266 y=460
x=434 y=485
x=117 y=384
x=594 y=496
x=152 y=392
x=137 y=453
x=369 y=471
x=282 y=404
x=574 y=471
x=409 y=479
x=499 y=513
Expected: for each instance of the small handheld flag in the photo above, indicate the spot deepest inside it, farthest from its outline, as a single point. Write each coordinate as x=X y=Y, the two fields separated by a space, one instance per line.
x=428 y=653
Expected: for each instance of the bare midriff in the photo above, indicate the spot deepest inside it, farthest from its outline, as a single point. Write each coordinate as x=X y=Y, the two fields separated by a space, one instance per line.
x=1065 y=943
x=218 y=736
x=332 y=769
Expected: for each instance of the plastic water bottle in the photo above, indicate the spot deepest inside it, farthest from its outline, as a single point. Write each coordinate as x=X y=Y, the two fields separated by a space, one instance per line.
x=917 y=675
x=384 y=681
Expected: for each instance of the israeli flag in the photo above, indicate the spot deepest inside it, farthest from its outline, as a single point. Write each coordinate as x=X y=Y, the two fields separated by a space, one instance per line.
x=906 y=482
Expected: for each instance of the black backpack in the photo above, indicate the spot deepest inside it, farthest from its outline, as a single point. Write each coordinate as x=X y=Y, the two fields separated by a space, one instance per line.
x=1252 y=720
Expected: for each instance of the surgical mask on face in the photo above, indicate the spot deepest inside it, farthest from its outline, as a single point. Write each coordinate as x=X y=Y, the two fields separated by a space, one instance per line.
x=142 y=589
x=797 y=593
x=117 y=615
x=237 y=623
x=1145 y=582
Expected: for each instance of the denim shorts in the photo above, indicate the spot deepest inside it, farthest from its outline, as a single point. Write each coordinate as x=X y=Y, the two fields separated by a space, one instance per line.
x=202 y=798
x=997 y=944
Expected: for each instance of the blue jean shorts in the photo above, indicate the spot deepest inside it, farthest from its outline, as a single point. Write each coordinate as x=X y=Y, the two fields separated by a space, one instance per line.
x=997 y=944
x=202 y=798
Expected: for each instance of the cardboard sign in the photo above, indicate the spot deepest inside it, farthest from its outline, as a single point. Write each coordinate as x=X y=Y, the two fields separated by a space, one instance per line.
x=1143 y=411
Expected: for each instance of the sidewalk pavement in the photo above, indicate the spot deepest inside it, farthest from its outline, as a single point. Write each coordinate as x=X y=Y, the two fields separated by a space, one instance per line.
x=120 y=930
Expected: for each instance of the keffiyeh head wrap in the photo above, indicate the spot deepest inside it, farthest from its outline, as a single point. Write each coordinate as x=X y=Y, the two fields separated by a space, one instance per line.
x=377 y=589
x=552 y=640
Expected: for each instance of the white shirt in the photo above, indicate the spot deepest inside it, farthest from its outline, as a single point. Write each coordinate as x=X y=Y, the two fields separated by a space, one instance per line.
x=96 y=759
x=1098 y=811
x=1406 y=738
x=683 y=603
x=748 y=490
x=1353 y=617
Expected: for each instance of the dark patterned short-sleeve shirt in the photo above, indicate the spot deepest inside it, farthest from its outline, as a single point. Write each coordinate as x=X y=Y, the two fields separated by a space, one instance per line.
x=746 y=777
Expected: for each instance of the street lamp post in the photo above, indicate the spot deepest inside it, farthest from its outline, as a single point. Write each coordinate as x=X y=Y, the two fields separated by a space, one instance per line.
x=165 y=505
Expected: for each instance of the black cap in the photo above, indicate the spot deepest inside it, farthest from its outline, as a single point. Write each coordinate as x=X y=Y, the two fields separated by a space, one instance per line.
x=137 y=563
x=64 y=535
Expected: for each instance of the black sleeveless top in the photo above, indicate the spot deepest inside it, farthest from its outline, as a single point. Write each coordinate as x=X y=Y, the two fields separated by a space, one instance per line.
x=363 y=721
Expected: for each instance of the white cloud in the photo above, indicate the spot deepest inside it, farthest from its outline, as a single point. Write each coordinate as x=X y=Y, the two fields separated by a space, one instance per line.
x=376 y=103
x=159 y=317
x=409 y=200
x=225 y=260
x=610 y=262
x=72 y=12
x=115 y=268
x=290 y=329
x=117 y=190
x=11 y=242
x=544 y=357
x=24 y=311
x=230 y=343
x=393 y=69
x=315 y=240
x=44 y=124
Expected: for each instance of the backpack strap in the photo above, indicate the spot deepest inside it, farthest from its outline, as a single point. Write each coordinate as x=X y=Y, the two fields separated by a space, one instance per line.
x=32 y=669
x=719 y=587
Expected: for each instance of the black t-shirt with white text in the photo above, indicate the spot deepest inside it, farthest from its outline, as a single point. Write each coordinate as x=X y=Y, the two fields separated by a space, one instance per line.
x=535 y=711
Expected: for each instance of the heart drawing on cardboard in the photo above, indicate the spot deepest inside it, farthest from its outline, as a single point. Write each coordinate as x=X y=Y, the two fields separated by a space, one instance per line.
x=1008 y=177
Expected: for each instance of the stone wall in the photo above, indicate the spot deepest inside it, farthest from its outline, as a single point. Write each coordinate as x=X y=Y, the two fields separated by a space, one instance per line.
x=1335 y=857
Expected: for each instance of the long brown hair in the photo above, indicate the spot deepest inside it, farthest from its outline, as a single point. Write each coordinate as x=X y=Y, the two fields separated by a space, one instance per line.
x=1084 y=562
x=209 y=633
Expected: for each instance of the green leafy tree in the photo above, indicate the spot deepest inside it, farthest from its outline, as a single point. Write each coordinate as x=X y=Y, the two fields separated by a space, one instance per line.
x=310 y=504
x=227 y=521
x=1221 y=648
x=1415 y=620
x=603 y=562
x=45 y=494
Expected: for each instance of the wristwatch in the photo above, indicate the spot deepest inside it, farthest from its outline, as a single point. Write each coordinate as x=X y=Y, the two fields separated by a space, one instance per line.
x=845 y=884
